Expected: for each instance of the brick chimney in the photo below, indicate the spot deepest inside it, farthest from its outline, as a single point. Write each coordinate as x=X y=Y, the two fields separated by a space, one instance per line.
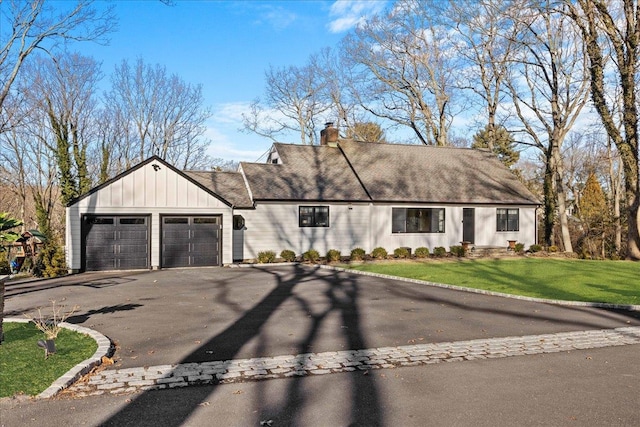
x=329 y=135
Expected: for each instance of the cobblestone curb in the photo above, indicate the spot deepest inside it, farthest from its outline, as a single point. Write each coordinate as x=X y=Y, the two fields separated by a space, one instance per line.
x=82 y=368
x=241 y=370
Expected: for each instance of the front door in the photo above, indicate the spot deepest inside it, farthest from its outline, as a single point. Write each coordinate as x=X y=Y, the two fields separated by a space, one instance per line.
x=468 y=225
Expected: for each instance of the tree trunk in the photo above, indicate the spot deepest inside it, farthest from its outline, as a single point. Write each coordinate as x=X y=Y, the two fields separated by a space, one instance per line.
x=561 y=198
x=1 y=310
x=633 y=237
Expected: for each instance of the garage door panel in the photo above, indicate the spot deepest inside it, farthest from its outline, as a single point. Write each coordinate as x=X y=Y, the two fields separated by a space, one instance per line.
x=190 y=241
x=116 y=243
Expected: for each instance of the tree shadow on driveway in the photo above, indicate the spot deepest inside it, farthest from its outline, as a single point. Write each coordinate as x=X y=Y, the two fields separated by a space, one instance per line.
x=341 y=297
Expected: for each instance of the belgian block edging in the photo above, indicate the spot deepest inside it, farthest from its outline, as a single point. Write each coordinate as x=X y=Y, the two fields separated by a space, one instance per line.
x=82 y=368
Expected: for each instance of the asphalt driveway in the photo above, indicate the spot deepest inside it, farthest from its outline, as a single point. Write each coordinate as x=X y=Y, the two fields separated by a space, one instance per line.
x=195 y=315
x=176 y=316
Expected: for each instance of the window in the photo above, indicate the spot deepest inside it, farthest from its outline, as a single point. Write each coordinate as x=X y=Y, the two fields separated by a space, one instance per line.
x=508 y=219
x=417 y=220
x=132 y=221
x=176 y=220
x=313 y=216
x=206 y=220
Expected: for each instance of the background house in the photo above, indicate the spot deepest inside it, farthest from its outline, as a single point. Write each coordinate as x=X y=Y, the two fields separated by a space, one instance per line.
x=339 y=195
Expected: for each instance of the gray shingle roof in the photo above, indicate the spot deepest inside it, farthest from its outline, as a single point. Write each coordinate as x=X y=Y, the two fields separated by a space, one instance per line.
x=228 y=185
x=418 y=173
x=315 y=173
x=357 y=171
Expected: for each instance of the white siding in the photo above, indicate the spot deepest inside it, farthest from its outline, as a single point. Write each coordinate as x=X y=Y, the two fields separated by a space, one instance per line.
x=274 y=226
x=146 y=191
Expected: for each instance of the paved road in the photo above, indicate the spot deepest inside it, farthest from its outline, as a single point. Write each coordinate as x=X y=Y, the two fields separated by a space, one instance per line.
x=194 y=316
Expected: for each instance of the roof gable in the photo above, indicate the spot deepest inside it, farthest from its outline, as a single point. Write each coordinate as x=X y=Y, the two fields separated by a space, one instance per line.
x=157 y=164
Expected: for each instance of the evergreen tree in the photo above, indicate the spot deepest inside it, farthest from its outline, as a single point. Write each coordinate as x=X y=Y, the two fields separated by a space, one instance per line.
x=593 y=204
x=503 y=144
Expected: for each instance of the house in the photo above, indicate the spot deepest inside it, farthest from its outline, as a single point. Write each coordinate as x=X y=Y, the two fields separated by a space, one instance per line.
x=338 y=195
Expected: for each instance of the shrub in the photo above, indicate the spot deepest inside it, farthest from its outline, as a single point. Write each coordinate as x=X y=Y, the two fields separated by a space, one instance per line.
x=333 y=255
x=288 y=255
x=50 y=262
x=311 y=255
x=457 y=250
x=379 y=253
x=519 y=247
x=553 y=248
x=265 y=257
x=357 y=254
x=401 y=253
x=535 y=248
x=422 y=252
x=439 y=251
x=4 y=267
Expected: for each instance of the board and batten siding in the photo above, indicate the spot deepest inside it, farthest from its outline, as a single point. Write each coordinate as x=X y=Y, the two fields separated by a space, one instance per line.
x=146 y=191
x=275 y=227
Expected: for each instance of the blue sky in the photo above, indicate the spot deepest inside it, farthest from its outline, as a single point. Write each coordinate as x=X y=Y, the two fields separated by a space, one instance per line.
x=226 y=46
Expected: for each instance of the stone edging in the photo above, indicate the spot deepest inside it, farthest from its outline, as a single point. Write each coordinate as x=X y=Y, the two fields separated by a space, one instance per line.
x=82 y=368
x=628 y=307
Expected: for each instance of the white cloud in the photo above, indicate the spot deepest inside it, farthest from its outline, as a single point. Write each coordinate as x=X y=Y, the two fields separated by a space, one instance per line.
x=347 y=14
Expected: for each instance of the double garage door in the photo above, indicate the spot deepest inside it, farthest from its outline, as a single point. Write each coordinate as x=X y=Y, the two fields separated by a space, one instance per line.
x=123 y=242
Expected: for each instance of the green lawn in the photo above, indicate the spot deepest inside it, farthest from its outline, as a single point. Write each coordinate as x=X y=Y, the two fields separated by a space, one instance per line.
x=615 y=282
x=23 y=368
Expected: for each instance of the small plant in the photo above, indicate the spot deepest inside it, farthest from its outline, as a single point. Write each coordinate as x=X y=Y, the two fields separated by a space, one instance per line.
x=333 y=255
x=535 y=248
x=357 y=254
x=265 y=257
x=379 y=253
x=288 y=255
x=519 y=247
x=457 y=250
x=439 y=251
x=401 y=253
x=422 y=252
x=50 y=326
x=311 y=255
x=553 y=248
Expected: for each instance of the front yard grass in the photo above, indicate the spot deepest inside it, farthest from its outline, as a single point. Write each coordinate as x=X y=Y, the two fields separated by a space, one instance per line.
x=23 y=368
x=615 y=282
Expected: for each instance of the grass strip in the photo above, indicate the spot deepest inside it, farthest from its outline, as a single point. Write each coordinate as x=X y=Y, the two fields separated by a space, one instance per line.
x=23 y=368
x=615 y=282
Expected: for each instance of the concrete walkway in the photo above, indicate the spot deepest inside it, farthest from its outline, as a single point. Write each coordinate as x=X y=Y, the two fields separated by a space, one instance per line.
x=240 y=370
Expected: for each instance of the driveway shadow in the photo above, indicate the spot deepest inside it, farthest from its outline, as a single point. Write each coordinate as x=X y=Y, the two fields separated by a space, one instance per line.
x=341 y=296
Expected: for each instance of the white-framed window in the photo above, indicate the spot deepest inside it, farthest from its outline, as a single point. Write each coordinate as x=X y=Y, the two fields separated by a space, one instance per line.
x=417 y=220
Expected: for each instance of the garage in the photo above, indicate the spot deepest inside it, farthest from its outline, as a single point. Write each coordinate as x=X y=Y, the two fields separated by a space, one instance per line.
x=116 y=242
x=191 y=241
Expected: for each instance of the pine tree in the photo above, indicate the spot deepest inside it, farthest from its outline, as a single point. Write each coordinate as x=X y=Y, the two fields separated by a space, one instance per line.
x=503 y=144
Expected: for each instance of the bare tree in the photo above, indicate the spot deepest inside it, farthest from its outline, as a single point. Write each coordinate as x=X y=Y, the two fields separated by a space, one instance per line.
x=162 y=114
x=295 y=100
x=486 y=38
x=36 y=24
x=613 y=28
x=549 y=89
x=407 y=69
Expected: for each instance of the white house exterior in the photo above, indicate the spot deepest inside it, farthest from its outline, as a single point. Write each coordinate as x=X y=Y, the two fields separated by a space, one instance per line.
x=340 y=195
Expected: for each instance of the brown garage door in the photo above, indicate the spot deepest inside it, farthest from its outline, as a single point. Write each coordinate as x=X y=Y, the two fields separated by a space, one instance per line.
x=191 y=241
x=116 y=242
